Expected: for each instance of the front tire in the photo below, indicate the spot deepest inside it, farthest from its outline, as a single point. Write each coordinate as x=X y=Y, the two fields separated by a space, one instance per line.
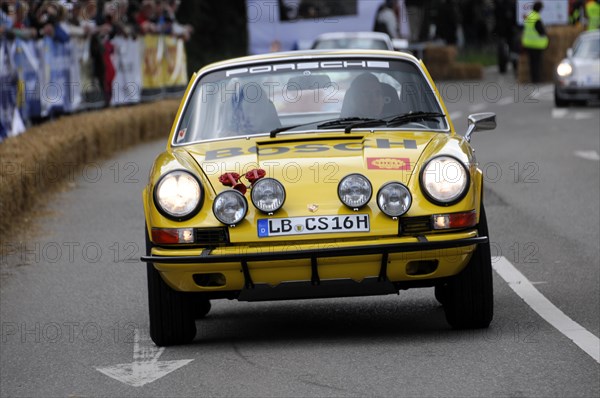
x=469 y=302
x=559 y=102
x=171 y=317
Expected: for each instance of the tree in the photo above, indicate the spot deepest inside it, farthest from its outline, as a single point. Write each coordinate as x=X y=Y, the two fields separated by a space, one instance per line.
x=220 y=30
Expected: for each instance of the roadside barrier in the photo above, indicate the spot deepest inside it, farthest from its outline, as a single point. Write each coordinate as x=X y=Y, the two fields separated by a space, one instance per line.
x=44 y=78
x=51 y=152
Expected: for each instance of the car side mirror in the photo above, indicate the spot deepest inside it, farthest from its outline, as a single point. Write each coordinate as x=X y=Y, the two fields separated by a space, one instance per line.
x=480 y=122
x=570 y=53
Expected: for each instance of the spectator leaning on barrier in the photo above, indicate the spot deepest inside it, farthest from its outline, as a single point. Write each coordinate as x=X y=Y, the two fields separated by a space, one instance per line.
x=592 y=11
x=146 y=18
x=535 y=41
x=6 y=21
x=48 y=17
x=14 y=22
x=179 y=30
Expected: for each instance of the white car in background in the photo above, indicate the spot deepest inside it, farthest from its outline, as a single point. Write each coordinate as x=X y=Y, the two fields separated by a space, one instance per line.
x=578 y=76
x=353 y=40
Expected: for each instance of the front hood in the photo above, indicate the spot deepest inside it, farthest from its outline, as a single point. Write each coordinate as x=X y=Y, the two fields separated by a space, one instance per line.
x=586 y=72
x=310 y=166
x=302 y=160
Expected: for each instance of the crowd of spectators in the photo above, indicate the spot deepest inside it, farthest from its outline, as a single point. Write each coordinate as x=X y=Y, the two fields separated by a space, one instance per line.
x=63 y=19
x=91 y=22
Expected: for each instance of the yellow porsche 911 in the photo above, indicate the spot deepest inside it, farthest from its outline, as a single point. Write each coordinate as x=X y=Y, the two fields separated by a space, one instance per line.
x=310 y=175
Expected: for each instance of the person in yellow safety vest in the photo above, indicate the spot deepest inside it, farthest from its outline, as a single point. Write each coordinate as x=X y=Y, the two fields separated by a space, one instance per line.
x=592 y=10
x=535 y=41
x=577 y=13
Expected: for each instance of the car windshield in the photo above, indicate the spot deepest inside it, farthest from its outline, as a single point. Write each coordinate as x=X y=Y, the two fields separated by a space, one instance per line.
x=301 y=95
x=351 y=43
x=588 y=48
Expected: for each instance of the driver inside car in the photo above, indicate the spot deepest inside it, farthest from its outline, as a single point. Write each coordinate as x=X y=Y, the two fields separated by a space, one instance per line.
x=369 y=98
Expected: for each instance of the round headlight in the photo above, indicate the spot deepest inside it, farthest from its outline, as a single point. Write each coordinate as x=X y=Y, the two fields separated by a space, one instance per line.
x=394 y=199
x=178 y=195
x=268 y=195
x=444 y=180
x=355 y=191
x=564 y=69
x=230 y=207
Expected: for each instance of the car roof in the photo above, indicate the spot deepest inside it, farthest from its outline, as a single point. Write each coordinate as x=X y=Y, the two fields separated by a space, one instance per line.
x=305 y=55
x=589 y=34
x=354 y=35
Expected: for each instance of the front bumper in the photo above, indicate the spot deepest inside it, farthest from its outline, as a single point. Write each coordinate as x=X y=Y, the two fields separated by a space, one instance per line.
x=262 y=270
x=577 y=93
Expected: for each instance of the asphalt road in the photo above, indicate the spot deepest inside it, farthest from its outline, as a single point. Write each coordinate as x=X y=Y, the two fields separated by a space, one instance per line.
x=73 y=293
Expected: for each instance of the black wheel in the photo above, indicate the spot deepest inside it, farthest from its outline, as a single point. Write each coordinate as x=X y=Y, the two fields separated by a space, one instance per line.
x=470 y=298
x=171 y=315
x=559 y=102
x=201 y=308
x=441 y=293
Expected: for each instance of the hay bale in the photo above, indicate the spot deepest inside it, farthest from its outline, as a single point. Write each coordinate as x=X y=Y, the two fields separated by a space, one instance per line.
x=439 y=71
x=34 y=161
x=440 y=54
x=464 y=71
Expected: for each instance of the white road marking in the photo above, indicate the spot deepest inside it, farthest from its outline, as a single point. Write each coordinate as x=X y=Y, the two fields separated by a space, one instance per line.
x=589 y=343
x=506 y=101
x=145 y=367
x=559 y=113
x=455 y=115
x=545 y=92
x=588 y=155
x=583 y=115
x=477 y=107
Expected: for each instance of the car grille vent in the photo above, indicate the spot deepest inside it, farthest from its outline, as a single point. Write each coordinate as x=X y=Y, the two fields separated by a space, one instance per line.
x=212 y=236
x=415 y=225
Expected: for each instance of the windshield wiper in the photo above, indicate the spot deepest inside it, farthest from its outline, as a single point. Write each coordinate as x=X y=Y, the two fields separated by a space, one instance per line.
x=333 y=122
x=407 y=117
x=273 y=133
x=352 y=122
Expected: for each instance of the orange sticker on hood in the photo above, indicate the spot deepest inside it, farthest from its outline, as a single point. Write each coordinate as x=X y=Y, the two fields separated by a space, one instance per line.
x=388 y=164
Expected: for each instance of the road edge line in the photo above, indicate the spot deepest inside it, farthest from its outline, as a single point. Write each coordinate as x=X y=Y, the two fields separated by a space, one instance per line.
x=584 y=339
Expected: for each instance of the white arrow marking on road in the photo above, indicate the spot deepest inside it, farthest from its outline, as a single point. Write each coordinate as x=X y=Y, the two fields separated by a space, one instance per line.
x=145 y=367
x=559 y=113
x=585 y=340
x=588 y=155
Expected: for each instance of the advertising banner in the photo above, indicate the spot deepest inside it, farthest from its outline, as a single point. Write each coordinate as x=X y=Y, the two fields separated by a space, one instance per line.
x=175 y=63
x=555 y=12
x=152 y=70
x=11 y=123
x=127 y=84
x=25 y=60
x=57 y=88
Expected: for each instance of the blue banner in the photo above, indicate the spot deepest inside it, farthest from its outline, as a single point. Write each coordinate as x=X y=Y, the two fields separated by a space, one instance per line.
x=27 y=65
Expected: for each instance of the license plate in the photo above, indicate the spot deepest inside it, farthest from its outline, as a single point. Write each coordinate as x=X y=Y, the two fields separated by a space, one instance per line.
x=313 y=225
